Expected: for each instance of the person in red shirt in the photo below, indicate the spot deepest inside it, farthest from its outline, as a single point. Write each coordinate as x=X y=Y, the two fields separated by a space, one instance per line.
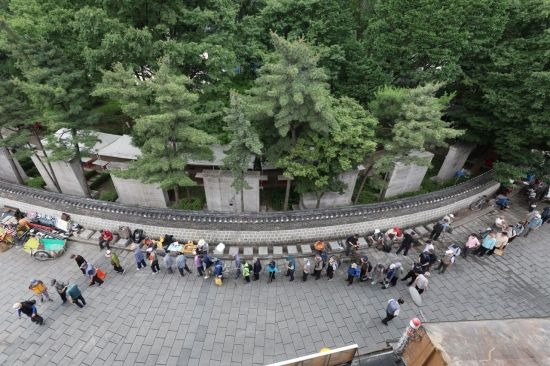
x=105 y=239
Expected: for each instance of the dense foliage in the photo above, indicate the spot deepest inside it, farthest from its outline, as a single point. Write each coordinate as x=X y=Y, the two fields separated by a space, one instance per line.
x=323 y=83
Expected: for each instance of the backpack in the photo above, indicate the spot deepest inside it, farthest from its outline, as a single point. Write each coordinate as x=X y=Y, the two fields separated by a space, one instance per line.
x=518 y=228
x=137 y=236
x=168 y=239
x=124 y=232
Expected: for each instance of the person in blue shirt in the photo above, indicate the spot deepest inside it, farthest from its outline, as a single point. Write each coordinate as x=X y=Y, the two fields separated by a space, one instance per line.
x=272 y=269
x=533 y=224
x=75 y=296
x=392 y=310
x=29 y=309
x=487 y=244
x=353 y=272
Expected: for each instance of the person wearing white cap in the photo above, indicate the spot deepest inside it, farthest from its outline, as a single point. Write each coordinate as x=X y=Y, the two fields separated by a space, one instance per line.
x=534 y=223
x=29 y=309
x=202 y=247
x=153 y=260
x=445 y=261
x=115 y=261
x=421 y=282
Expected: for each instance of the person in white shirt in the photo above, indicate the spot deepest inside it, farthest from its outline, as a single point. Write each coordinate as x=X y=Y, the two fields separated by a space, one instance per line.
x=421 y=282
x=429 y=246
x=392 y=310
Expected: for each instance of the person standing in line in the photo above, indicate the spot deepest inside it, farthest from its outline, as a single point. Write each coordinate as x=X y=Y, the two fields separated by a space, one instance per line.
x=139 y=257
x=168 y=262
x=75 y=296
x=181 y=263
x=40 y=290
x=378 y=274
x=238 y=266
x=512 y=234
x=153 y=260
x=318 y=267
x=440 y=227
x=218 y=269
x=246 y=271
x=353 y=272
x=290 y=267
x=352 y=243
x=306 y=270
x=332 y=267
x=413 y=273
x=421 y=282
x=408 y=240
x=61 y=289
x=79 y=261
x=534 y=224
x=105 y=239
x=29 y=309
x=471 y=244
x=363 y=276
x=392 y=310
x=272 y=269
x=487 y=244
x=445 y=261
x=198 y=264
x=207 y=263
x=257 y=268
x=501 y=241
x=390 y=276
x=115 y=261
x=91 y=272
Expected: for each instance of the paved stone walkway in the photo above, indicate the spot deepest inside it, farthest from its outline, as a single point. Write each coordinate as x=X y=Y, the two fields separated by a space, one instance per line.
x=141 y=319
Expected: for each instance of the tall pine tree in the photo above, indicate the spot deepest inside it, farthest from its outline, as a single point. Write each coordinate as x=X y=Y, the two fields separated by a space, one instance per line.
x=167 y=126
x=245 y=143
x=292 y=95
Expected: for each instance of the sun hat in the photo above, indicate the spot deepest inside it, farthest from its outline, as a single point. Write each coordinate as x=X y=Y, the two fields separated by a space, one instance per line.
x=108 y=253
x=17 y=305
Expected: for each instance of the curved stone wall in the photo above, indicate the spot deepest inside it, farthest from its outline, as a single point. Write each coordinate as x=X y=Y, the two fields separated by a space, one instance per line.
x=251 y=228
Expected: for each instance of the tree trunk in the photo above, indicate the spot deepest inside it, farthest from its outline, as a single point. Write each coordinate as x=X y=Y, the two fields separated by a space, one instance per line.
x=287 y=194
x=289 y=182
x=319 y=196
x=383 y=189
x=12 y=164
x=78 y=157
x=49 y=170
x=242 y=199
x=362 y=185
x=177 y=196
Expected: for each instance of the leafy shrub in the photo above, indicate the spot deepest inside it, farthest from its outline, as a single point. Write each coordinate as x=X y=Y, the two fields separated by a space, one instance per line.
x=108 y=196
x=103 y=177
x=194 y=204
x=35 y=182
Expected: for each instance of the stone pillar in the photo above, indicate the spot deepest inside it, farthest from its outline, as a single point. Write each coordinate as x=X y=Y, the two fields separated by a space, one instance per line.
x=221 y=196
x=69 y=174
x=407 y=178
x=333 y=199
x=6 y=171
x=70 y=177
x=454 y=161
x=134 y=192
x=41 y=164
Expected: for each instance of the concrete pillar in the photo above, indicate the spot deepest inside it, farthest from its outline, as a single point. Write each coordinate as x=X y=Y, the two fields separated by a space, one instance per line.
x=70 y=177
x=6 y=171
x=221 y=196
x=454 y=161
x=41 y=164
x=333 y=199
x=134 y=192
x=407 y=178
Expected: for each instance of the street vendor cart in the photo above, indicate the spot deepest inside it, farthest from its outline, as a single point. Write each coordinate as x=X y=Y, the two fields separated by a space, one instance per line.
x=45 y=248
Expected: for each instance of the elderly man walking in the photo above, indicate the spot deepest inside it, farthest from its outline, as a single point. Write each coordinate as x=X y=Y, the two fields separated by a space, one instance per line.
x=392 y=310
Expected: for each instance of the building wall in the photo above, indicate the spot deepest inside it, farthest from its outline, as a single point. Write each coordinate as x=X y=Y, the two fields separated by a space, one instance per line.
x=252 y=229
x=133 y=192
x=6 y=170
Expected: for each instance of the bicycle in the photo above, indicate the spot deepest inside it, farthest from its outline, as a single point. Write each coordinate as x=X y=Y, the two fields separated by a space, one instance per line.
x=480 y=204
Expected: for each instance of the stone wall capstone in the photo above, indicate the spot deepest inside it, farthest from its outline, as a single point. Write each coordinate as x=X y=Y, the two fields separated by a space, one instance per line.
x=252 y=228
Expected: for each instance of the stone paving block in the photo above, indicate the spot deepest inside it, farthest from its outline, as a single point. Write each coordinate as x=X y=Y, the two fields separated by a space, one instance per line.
x=248 y=252
x=122 y=243
x=233 y=250
x=335 y=246
x=95 y=236
x=292 y=249
x=429 y=227
x=421 y=231
x=362 y=243
x=278 y=251
x=306 y=249
x=262 y=251
x=86 y=234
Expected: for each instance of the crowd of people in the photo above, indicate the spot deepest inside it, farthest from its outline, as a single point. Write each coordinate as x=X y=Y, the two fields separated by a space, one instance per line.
x=489 y=241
